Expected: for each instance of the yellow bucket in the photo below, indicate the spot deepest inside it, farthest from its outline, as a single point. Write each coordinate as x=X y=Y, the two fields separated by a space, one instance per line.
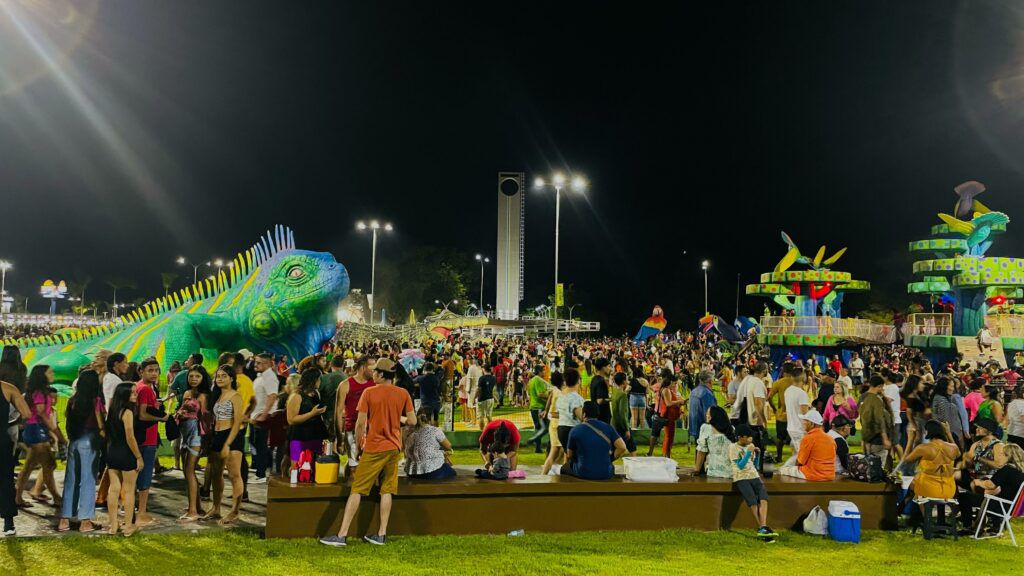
x=326 y=473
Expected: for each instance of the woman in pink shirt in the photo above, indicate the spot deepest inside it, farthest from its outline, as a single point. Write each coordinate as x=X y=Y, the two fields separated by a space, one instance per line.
x=36 y=433
x=974 y=398
x=840 y=403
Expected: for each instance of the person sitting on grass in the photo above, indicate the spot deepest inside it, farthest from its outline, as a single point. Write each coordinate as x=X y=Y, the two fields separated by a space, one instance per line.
x=744 y=458
x=499 y=463
x=592 y=447
x=816 y=460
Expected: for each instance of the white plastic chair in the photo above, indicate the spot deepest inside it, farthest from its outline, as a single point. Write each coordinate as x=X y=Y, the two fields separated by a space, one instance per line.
x=1002 y=509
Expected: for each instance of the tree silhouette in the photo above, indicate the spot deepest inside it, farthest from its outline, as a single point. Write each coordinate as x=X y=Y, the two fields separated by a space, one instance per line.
x=120 y=283
x=168 y=279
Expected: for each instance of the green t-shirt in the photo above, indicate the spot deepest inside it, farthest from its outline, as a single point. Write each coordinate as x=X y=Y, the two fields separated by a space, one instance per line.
x=538 y=390
x=329 y=390
x=620 y=409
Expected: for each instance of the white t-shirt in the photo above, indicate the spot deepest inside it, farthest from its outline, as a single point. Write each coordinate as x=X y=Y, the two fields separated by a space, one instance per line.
x=795 y=397
x=110 y=382
x=856 y=367
x=892 y=392
x=1015 y=415
x=750 y=389
x=265 y=384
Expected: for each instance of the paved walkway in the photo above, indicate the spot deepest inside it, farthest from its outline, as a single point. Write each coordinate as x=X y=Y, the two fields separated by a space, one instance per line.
x=167 y=501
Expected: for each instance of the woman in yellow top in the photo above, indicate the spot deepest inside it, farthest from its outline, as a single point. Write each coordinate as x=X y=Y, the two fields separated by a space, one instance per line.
x=586 y=375
x=934 y=477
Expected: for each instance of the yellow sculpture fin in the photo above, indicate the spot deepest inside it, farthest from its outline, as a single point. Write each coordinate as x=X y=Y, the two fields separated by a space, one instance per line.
x=819 y=255
x=959 y=226
x=835 y=257
x=787 y=260
x=979 y=208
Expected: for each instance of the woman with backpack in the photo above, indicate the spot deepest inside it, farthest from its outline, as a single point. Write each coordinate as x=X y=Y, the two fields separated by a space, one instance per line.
x=86 y=411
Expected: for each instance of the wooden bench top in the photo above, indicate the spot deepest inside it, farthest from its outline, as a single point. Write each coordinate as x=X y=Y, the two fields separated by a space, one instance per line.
x=534 y=484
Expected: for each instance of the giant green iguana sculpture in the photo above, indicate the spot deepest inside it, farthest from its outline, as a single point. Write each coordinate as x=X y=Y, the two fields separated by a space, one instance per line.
x=274 y=298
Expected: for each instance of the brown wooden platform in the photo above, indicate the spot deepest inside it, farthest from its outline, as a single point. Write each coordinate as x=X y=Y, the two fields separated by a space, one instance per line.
x=465 y=505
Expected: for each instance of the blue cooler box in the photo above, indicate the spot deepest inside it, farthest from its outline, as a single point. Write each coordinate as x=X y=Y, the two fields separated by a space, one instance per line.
x=843 y=521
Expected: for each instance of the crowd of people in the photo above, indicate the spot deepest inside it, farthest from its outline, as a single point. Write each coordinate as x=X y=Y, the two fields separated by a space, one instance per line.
x=958 y=430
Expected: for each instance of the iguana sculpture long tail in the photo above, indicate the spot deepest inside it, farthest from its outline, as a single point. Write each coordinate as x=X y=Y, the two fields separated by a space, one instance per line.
x=273 y=298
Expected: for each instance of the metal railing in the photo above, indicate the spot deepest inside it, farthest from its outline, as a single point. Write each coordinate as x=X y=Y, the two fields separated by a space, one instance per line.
x=928 y=325
x=1005 y=325
x=852 y=328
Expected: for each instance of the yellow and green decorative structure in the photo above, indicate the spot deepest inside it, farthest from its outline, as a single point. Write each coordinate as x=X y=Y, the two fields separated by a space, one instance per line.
x=813 y=298
x=957 y=274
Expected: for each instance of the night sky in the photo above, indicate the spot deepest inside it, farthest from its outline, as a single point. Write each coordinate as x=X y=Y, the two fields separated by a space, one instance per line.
x=190 y=127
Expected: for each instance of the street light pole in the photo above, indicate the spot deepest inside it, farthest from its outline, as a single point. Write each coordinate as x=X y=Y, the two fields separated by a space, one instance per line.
x=373 y=226
x=557 y=182
x=482 y=259
x=704 y=266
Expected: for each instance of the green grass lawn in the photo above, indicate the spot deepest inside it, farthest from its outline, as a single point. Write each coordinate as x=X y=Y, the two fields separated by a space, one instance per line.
x=619 y=553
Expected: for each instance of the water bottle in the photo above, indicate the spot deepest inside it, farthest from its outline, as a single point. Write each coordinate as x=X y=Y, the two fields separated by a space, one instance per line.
x=518 y=532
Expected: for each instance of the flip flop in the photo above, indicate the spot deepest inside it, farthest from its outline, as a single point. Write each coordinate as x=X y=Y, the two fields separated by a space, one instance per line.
x=42 y=498
x=64 y=528
x=95 y=528
x=24 y=505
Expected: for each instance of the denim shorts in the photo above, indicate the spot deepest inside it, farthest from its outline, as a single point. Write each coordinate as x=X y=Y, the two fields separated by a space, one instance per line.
x=35 y=434
x=637 y=401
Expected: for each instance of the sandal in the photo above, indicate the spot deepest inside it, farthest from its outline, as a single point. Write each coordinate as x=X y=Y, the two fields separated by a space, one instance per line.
x=64 y=525
x=229 y=520
x=186 y=517
x=211 y=515
x=23 y=505
x=131 y=530
x=41 y=498
x=92 y=528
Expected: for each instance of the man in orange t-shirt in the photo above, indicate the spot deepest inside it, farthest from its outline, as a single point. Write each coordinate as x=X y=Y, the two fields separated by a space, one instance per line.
x=382 y=410
x=816 y=460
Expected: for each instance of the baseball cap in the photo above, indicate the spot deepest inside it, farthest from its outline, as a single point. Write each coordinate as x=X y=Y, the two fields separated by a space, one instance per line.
x=385 y=365
x=839 y=421
x=813 y=417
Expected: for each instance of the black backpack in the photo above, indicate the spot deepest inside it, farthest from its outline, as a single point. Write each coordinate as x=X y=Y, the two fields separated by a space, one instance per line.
x=866 y=468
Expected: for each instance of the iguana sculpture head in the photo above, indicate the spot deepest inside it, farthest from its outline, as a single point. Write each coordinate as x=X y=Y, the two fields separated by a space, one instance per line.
x=293 y=304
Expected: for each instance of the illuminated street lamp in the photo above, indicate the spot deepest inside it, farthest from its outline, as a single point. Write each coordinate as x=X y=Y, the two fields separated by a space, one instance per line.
x=704 y=266
x=445 y=304
x=182 y=261
x=558 y=181
x=373 y=226
x=482 y=260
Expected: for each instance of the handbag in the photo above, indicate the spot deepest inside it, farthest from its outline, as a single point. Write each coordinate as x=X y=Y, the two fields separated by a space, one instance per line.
x=171 y=429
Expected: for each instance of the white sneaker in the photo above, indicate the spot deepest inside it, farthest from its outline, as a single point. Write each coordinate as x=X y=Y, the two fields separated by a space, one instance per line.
x=258 y=480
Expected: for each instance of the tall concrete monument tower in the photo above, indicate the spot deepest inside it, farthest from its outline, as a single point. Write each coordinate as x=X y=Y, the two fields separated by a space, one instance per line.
x=510 y=254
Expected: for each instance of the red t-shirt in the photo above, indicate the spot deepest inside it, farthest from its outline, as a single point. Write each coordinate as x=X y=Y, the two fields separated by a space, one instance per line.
x=355 y=391
x=487 y=435
x=147 y=397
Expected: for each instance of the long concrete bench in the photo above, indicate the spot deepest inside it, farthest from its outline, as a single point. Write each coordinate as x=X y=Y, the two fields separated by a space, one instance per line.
x=466 y=505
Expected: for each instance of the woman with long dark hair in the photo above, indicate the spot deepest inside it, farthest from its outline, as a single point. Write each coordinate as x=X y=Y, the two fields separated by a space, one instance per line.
x=84 y=419
x=14 y=372
x=188 y=416
x=944 y=410
x=228 y=443
x=124 y=458
x=306 y=429
x=36 y=433
x=716 y=435
x=10 y=400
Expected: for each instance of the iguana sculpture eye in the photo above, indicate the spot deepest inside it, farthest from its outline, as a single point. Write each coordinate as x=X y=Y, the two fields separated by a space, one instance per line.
x=296 y=272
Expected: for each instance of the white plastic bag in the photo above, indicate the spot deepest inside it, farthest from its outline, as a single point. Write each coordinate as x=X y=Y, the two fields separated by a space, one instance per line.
x=653 y=469
x=816 y=522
